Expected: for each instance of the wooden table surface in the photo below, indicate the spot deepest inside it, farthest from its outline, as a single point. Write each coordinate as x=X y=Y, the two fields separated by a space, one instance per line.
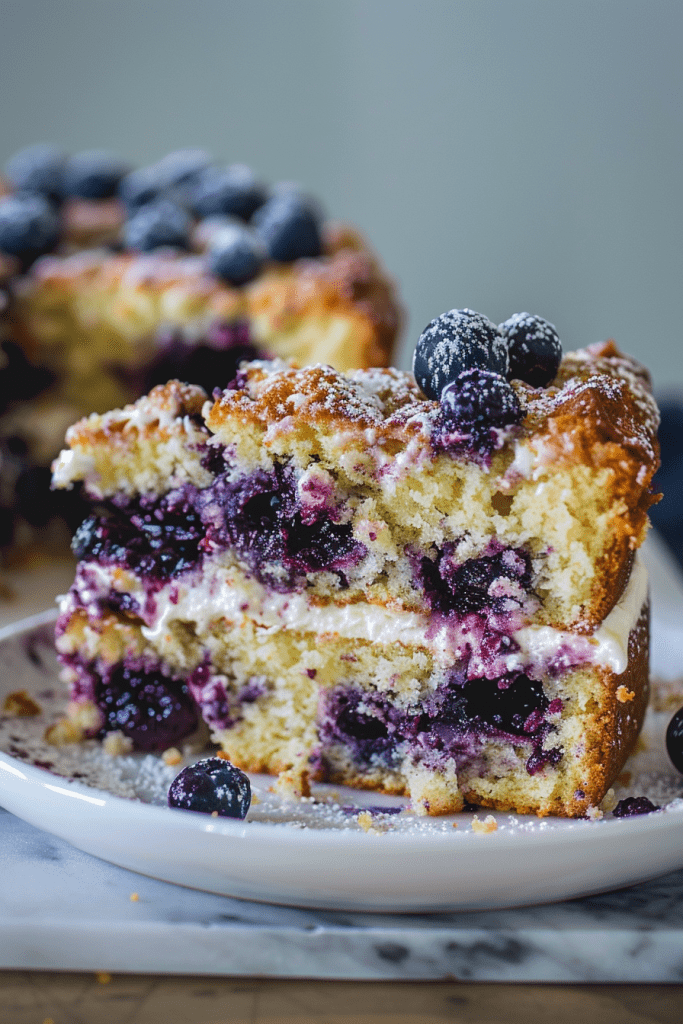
x=34 y=997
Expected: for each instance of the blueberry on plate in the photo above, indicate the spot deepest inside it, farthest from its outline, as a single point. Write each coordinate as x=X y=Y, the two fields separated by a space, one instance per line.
x=534 y=349
x=478 y=399
x=453 y=342
x=236 y=255
x=213 y=784
x=634 y=805
x=674 y=740
x=93 y=174
x=159 y=223
x=37 y=169
x=233 y=191
x=289 y=228
x=29 y=226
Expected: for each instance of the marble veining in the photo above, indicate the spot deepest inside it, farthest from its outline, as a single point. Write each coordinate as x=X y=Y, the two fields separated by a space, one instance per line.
x=63 y=909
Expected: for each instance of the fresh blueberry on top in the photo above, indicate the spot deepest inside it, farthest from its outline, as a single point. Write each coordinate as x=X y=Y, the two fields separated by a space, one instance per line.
x=289 y=228
x=159 y=223
x=93 y=174
x=455 y=341
x=674 y=740
x=213 y=784
x=37 y=169
x=29 y=226
x=232 y=190
x=534 y=349
x=478 y=399
x=182 y=167
x=140 y=187
x=237 y=255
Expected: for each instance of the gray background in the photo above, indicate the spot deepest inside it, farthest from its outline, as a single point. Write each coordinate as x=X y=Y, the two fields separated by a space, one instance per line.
x=505 y=155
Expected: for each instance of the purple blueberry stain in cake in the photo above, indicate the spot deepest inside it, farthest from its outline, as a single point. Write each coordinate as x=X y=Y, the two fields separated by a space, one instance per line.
x=634 y=805
x=452 y=724
x=499 y=579
x=220 y=703
x=136 y=697
x=261 y=517
x=158 y=538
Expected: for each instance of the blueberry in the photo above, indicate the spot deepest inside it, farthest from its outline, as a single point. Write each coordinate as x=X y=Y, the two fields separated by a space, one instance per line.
x=211 y=785
x=634 y=805
x=478 y=399
x=227 y=190
x=154 y=710
x=674 y=740
x=140 y=187
x=289 y=228
x=534 y=349
x=36 y=169
x=455 y=341
x=182 y=167
x=29 y=226
x=93 y=174
x=237 y=255
x=159 y=223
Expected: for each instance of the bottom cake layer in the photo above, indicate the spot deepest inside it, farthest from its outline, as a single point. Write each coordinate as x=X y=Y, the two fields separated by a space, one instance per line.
x=366 y=714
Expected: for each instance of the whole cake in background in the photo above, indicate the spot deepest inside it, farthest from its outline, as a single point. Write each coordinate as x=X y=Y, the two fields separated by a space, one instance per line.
x=115 y=279
x=426 y=585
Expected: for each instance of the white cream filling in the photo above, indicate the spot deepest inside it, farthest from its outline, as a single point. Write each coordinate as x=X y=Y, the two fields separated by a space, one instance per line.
x=224 y=592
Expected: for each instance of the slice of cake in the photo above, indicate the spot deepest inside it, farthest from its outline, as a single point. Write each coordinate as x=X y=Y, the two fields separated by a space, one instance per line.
x=432 y=596
x=113 y=280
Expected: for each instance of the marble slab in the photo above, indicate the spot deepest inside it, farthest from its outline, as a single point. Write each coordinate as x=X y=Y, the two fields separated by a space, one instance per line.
x=61 y=909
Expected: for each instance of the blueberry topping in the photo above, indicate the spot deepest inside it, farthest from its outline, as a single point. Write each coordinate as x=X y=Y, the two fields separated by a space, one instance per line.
x=93 y=174
x=29 y=226
x=477 y=400
x=534 y=348
x=633 y=805
x=37 y=169
x=453 y=342
x=674 y=740
x=159 y=223
x=289 y=228
x=182 y=167
x=211 y=785
x=140 y=187
x=154 y=710
x=237 y=255
x=232 y=191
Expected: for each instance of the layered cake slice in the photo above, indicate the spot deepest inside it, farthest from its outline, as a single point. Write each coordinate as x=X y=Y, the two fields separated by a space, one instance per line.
x=113 y=280
x=431 y=590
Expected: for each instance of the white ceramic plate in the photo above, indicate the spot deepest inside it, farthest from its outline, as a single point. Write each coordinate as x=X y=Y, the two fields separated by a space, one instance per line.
x=316 y=853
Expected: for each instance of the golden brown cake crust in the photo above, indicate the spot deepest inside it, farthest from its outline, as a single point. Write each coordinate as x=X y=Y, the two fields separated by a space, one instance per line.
x=291 y=307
